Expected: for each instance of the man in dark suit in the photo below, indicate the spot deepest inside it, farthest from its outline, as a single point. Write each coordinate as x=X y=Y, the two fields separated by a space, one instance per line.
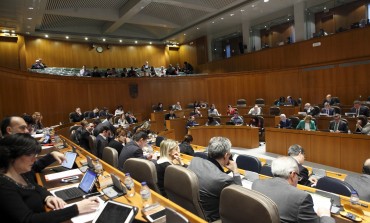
x=294 y=205
x=76 y=116
x=358 y=109
x=134 y=149
x=338 y=125
x=170 y=115
x=285 y=123
x=361 y=183
x=102 y=140
x=331 y=100
x=297 y=153
x=327 y=109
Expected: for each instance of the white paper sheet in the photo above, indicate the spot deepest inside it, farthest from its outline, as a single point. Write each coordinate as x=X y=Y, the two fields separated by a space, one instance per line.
x=59 y=175
x=88 y=216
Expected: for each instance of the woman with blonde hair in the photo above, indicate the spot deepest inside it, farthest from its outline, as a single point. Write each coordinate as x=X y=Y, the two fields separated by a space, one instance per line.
x=37 y=118
x=169 y=155
x=307 y=124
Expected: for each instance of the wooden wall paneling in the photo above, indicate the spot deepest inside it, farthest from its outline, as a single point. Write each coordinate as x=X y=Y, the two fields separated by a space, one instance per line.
x=301 y=140
x=354 y=150
x=9 y=56
x=276 y=142
x=324 y=150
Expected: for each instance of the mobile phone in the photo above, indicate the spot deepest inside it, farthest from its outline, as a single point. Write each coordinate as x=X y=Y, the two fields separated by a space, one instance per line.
x=154 y=217
x=69 y=179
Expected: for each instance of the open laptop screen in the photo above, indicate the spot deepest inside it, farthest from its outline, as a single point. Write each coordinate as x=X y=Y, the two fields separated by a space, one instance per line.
x=70 y=160
x=87 y=181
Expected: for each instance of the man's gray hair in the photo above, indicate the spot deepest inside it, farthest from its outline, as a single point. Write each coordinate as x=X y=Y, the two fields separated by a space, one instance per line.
x=295 y=150
x=218 y=147
x=284 y=166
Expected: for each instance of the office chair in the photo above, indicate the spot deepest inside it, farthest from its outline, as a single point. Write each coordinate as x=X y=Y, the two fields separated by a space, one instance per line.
x=115 y=119
x=93 y=145
x=142 y=170
x=110 y=156
x=266 y=170
x=316 y=110
x=250 y=163
x=337 y=109
x=201 y=155
x=252 y=206
x=87 y=114
x=294 y=120
x=275 y=111
x=334 y=186
x=70 y=116
x=260 y=102
x=182 y=187
x=241 y=103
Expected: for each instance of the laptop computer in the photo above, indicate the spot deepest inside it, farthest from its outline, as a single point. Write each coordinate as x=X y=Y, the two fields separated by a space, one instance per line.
x=68 y=163
x=86 y=185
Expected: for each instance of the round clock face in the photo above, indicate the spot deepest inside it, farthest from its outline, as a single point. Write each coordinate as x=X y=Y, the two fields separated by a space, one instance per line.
x=99 y=49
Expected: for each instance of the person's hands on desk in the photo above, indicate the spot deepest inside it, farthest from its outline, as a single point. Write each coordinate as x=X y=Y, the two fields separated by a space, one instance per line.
x=88 y=205
x=59 y=157
x=55 y=202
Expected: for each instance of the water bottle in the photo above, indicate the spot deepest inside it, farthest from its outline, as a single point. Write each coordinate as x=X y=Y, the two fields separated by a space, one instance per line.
x=98 y=167
x=354 y=198
x=129 y=183
x=145 y=194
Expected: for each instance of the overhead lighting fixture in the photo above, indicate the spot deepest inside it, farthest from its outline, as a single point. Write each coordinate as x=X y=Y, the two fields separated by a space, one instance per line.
x=231 y=14
x=136 y=42
x=253 y=6
x=222 y=18
x=242 y=10
x=197 y=28
x=213 y=21
x=46 y=36
x=30 y=8
x=288 y=19
x=67 y=37
x=103 y=39
x=13 y=31
x=5 y=30
x=184 y=34
x=150 y=43
x=28 y=33
x=29 y=18
x=265 y=0
x=86 y=38
x=120 y=41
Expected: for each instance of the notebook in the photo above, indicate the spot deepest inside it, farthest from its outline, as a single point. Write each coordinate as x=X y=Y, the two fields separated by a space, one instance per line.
x=86 y=185
x=68 y=163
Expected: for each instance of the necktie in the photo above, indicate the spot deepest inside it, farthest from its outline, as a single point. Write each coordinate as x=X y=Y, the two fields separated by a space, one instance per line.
x=358 y=112
x=327 y=111
x=335 y=127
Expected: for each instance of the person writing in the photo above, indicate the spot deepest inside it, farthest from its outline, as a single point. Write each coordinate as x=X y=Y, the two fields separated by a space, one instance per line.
x=307 y=124
x=23 y=200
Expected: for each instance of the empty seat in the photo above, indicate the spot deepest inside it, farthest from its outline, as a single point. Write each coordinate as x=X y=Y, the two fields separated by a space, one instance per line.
x=250 y=163
x=266 y=170
x=142 y=170
x=182 y=187
x=316 y=110
x=294 y=120
x=252 y=206
x=110 y=156
x=260 y=102
x=93 y=145
x=274 y=111
x=334 y=186
x=241 y=103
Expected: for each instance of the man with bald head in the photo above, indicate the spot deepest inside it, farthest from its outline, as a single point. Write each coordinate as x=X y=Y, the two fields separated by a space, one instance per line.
x=15 y=124
x=361 y=182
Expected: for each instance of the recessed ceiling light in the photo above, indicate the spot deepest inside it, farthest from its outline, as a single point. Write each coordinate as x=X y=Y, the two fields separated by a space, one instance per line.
x=222 y=18
x=325 y=8
x=150 y=43
x=5 y=31
x=184 y=34
x=29 y=18
x=242 y=10
x=28 y=33
x=86 y=38
x=197 y=28
x=13 y=31
x=213 y=21
x=67 y=37
x=103 y=39
x=136 y=42
x=30 y=8
x=253 y=6
x=46 y=36
x=120 y=41
x=231 y=14
x=288 y=19
x=265 y=0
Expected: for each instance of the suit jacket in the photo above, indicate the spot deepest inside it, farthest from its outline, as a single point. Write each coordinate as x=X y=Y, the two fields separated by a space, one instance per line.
x=75 y=117
x=294 y=205
x=101 y=143
x=301 y=125
x=303 y=171
x=363 y=111
x=212 y=179
x=361 y=185
x=331 y=111
x=169 y=116
x=342 y=126
x=286 y=125
x=131 y=150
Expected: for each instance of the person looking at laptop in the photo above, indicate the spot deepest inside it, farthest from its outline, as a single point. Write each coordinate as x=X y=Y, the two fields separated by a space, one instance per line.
x=23 y=200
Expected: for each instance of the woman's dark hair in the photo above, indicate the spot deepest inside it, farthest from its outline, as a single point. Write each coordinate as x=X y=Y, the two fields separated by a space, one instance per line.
x=188 y=138
x=17 y=145
x=363 y=120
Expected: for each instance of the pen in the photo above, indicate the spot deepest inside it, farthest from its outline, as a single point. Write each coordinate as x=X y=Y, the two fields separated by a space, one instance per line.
x=91 y=194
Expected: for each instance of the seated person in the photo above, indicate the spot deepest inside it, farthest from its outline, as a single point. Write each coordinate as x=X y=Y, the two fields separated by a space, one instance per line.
x=77 y=116
x=196 y=113
x=307 y=124
x=330 y=100
x=362 y=125
x=284 y=123
x=130 y=118
x=211 y=121
x=338 y=125
x=255 y=110
x=309 y=109
x=212 y=177
x=132 y=72
x=237 y=119
x=120 y=140
x=230 y=110
x=290 y=101
x=171 y=70
x=188 y=68
x=159 y=107
x=23 y=199
x=191 y=122
x=104 y=112
x=297 y=153
x=170 y=115
x=294 y=205
x=359 y=109
x=37 y=65
x=185 y=145
x=178 y=106
x=95 y=113
x=255 y=122
x=119 y=110
x=361 y=182
x=212 y=111
x=169 y=155
x=37 y=118
x=327 y=109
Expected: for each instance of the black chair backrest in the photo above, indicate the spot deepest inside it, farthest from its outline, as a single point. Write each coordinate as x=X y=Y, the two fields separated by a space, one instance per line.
x=266 y=170
x=250 y=163
x=337 y=109
x=201 y=155
x=88 y=114
x=316 y=110
x=295 y=120
x=241 y=102
x=334 y=186
x=274 y=111
x=260 y=102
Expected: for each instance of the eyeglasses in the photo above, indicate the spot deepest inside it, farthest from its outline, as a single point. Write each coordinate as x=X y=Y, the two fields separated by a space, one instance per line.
x=299 y=176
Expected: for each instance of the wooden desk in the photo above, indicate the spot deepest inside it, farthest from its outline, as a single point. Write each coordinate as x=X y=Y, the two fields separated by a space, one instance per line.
x=287 y=110
x=240 y=136
x=344 y=151
x=136 y=200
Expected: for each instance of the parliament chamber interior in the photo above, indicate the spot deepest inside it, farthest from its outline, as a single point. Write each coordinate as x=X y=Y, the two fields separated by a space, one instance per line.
x=312 y=62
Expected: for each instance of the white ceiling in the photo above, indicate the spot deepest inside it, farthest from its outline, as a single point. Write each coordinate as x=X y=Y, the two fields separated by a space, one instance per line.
x=146 y=21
